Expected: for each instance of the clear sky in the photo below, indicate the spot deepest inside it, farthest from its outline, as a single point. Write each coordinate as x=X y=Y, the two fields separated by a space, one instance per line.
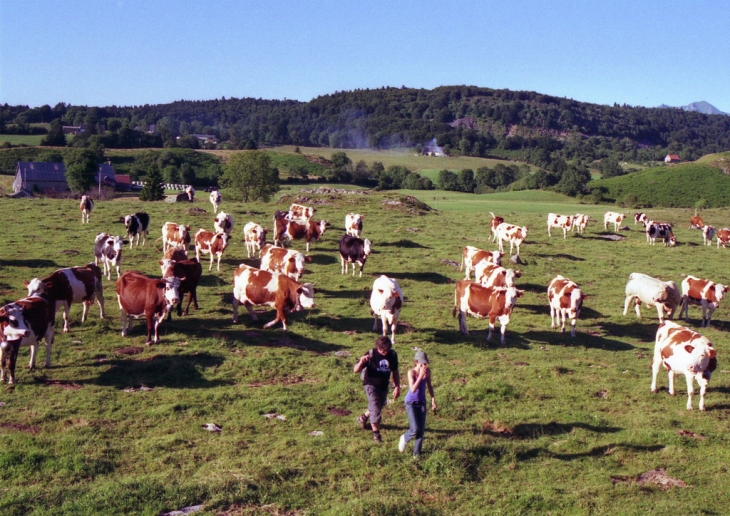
x=133 y=52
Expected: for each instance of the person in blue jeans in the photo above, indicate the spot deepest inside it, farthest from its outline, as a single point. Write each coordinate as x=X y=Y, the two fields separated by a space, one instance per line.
x=419 y=379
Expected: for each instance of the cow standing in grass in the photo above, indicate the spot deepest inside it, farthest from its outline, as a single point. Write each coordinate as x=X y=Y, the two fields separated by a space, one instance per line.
x=87 y=204
x=386 y=301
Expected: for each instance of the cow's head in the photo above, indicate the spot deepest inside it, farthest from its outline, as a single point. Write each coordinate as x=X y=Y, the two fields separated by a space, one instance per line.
x=367 y=247
x=165 y=265
x=305 y=296
x=13 y=324
x=323 y=225
x=127 y=220
x=35 y=287
x=172 y=290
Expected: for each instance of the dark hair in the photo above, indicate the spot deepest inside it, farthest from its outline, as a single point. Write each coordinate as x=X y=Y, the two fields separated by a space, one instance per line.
x=383 y=342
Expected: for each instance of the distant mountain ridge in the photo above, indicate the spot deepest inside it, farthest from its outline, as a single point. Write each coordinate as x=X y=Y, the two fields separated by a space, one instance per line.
x=701 y=107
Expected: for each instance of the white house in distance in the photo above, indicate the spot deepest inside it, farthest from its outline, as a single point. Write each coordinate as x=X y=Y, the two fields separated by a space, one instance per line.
x=672 y=158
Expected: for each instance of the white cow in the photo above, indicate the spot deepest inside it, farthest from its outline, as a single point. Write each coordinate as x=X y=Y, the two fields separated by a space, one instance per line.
x=386 y=302
x=255 y=237
x=566 y=300
x=564 y=222
x=652 y=292
x=615 y=218
x=353 y=224
x=215 y=200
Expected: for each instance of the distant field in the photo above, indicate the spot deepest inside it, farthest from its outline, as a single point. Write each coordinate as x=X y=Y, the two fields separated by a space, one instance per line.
x=22 y=139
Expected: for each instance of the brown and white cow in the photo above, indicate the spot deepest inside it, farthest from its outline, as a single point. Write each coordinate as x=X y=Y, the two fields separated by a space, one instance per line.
x=662 y=230
x=288 y=230
x=140 y=296
x=640 y=217
x=71 y=285
x=353 y=224
x=515 y=235
x=472 y=256
x=207 y=242
x=566 y=300
x=493 y=224
x=491 y=275
x=215 y=200
x=188 y=272
x=723 y=237
x=653 y=292
x=223 y=223
x=493 y=303
x=614 y=218
x=254 y=287
x=255 y=237
x=24 y=323
x=703 y=292
x=708 y=233
x=175 y=235
x=564 y=222
x=684 y=351
x=299 y=212
x=386 y=301
x=86 y=205
x=108 y=252
x=174 y=253
x=285 y=261
x=580 y=222
x=696 y=222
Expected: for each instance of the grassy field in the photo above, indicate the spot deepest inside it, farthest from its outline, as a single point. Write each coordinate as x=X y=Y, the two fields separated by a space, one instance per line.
x=543 y=425
x=22 y=139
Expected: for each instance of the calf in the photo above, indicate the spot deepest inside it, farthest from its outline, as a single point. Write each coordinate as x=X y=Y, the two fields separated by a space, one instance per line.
x=386 y=301
x=223 y=223
x=215 y=200
x=564 y=222
x=653 y=292
x=494 y=303
x=613 y=217
x=175 y=235
x=723 y=237
x=71 y=285
x=108 y=251
x=660 y=230
x=491 y=275
x=703 y=292
x=299 y=212
x=87 y=204
x=253 y=287
x=515 y=235
x=285 y=261
x=137 y=224
x=255 y=238
x=472 y=256
x=353 y=224
x=640 y=217
x=140 y=296
x=24 y=323
x=580 y=222
x=355 y=251
x=708 y=233
x=288 y=230
x=188 y=272
x=565 y=300
x=682 y=350
x=696 y=222
x=493 y=224
x=207 y=242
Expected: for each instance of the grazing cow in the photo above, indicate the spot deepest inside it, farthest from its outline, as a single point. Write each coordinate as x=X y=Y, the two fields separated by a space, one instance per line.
x=708 y=233
x=565 y=300
x=355 y=251
x=661 y=230
x=188 y=272
x=696 y=222
x=515 y=235
x=723 y=237
x=71 y=285
x=87 y=204
x=191 y=193
x=471 y=256
x=580 y=221
x=703 y=292
x=108 y=251
x=175 y=235
x=496 y=221
x=491 y=275
x=386 y=302
x=288 y=230
x=137 y=224
x=175 y=253
x=140 y=296
x=223 y=223
x=564 y=222
x=682 y=350
x=285 y=261
x=215 y=200
x=252 y=287
x=613 y=217
x=255 y=237
x=494 y=303
x=653 y=292
x=353 y=224
x=640 y=217
x=299 y=212
x=207 y=242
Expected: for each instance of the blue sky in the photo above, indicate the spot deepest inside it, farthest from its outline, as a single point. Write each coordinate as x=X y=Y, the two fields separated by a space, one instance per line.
x=133 y=52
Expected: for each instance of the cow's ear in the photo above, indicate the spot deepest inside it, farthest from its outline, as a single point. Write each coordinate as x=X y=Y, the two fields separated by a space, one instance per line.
x=26 y=283
x=712 y=353
x=689 y=349
x=518 y=274
x=160 y=283
x=160 y=262
x=380 y=291
x=520 y=293
x=187 y=227
x=307 y=258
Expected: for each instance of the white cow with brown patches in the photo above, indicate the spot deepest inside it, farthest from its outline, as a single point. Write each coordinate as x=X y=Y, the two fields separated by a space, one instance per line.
x=653 y=292
x=515 y=235
x=86 y=205
x=683 y=351
x=214 y=244
x=285 y=261
x=255 y=237
x=703 y=292
x=472 y=256
x=566 y=300
x=353 y=224
x=564 y=222
x=580 y=221
x=493 y=224
x=491 y=275
x=493 y=303
x=611 y=217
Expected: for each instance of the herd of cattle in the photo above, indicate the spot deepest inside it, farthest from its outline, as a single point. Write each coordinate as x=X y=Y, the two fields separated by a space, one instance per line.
x=492 y=295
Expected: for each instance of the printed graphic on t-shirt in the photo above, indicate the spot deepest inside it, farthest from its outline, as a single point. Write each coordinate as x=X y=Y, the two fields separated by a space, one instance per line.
x=383 y=366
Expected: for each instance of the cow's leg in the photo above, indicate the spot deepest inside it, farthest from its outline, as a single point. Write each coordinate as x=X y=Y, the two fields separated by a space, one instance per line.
x=33 y=353
x=627 y=302
x=85 y=309
x=503 y=322
x=573 y=322
x=219 y=262
x=655 y=366
x=462 y=323
x=375 y=321
x=3 y=358
x=670 y=374
x=235 y=309
x=690 y=389
x=48 y=337
x=99 y=298
x=549 y=235
x=151 y=329
x=210 y=267
x=279 y=317
x=307 y=246
x=637 y=307
x=552 y=317
x=10 y=361
x=702 y=382
x=660 y=311
x=342 y=265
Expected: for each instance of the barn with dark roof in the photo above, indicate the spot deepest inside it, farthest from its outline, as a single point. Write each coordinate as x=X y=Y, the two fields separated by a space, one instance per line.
x=33 y=176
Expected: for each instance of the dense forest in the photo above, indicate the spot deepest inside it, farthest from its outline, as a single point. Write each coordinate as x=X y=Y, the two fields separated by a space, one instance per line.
x=550 y=132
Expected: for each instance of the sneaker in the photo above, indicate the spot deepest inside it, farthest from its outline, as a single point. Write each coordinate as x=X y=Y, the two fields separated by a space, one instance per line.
x=362 y=420
x=402 y=443
x=377 y=438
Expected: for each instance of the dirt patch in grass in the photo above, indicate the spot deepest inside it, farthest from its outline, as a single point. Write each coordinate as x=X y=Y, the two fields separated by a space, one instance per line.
x=64 y=384
x=656 y=476
x=339 y=412
x=497 y=430
x=30 y=429
x=132 y=350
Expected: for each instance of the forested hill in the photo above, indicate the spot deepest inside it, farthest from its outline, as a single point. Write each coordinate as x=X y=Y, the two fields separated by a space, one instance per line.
x=462 y=119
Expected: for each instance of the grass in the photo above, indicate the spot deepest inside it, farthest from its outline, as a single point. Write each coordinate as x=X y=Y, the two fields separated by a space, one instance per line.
x=540 y=425
x=22 y=139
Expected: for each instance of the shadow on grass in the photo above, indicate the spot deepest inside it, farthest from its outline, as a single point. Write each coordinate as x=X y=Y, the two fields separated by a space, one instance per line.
x=431 y=277
x=645 y=332
x=27 y=263
x=478 y=338
x=598 y=451
x=406 y=244
x=562 y=257
x=340 y=294
x=532 y=287
x=556 y=337
x=324 y=259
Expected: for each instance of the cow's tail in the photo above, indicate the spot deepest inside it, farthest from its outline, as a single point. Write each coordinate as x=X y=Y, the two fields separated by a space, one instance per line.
x=493 y=215
x=155 y=243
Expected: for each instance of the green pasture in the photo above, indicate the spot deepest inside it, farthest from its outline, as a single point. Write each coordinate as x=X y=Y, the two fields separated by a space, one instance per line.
x=545 y=424
x=22 y=139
